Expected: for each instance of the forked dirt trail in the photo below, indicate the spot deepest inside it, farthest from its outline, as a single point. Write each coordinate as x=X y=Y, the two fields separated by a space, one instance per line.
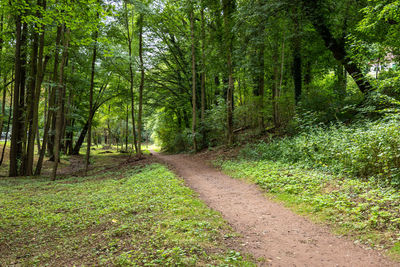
x=269 y=230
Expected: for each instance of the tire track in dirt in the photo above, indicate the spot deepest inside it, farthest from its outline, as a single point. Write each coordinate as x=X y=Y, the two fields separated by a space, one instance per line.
x=269 y=230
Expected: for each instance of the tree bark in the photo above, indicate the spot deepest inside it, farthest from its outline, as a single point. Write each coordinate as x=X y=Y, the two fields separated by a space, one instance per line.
x=89 y=137
x=141 y=86
x=228 y=7
x=126 y=128
x=59 y=102
x=297 y=64
x=8 y=127
x=314 y=13
x=203 y=76
x=47 y=144
x=37 y=66
x=19 y=87
x=193 y=82
x=52 y=114
x=129 y=38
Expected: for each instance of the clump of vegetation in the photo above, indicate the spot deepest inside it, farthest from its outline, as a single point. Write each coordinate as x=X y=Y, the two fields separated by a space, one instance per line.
x=131 y=216
x=369 y=150
x=361 y=209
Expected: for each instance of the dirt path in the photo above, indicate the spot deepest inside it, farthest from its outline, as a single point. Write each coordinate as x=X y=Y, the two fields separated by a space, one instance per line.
x=269 y=230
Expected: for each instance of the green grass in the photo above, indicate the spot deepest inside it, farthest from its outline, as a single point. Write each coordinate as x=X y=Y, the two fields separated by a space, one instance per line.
x=131 y=216
x=363 y=210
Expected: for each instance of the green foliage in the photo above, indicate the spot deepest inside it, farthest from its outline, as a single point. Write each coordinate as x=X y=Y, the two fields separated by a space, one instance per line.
x=368 y=150
x=214 y=123
x=145 y=217
x=361 y=209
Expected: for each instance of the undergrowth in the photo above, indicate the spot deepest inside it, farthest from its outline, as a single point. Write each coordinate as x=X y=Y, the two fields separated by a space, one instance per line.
x=361 y=209
x=136 y=216
x=348 y=175
x=366 y=150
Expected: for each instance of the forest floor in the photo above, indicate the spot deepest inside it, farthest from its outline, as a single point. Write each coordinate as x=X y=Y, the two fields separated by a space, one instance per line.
x=125 y=212
x=269 y=230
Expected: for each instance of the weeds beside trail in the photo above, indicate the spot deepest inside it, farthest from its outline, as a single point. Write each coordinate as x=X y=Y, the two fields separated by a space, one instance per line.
x=347 y=176
x=141 y=215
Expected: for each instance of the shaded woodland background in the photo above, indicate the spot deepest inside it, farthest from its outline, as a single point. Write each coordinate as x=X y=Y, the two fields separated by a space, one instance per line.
x=190 y=75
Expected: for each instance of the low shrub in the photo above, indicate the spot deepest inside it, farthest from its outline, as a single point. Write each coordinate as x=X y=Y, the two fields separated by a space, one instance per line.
x=369 y=150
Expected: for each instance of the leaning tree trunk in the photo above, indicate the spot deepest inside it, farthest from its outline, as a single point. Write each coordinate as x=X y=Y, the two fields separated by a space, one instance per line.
x=89 y=137
x=313 y=11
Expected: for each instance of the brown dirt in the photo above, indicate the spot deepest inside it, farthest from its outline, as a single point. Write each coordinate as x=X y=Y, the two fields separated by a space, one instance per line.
x=268 y=229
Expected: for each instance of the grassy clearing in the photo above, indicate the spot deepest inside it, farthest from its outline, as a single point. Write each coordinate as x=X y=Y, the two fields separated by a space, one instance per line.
x=139 y=215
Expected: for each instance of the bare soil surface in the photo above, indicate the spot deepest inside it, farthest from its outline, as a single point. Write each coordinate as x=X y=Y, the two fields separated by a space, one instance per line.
x=269 y=230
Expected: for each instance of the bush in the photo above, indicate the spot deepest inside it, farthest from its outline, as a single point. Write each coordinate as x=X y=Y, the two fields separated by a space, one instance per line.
x=370 y=150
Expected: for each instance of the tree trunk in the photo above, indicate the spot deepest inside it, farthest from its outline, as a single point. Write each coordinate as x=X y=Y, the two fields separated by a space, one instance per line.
x=228 y=7
x=261 y=84
x=3 y=105
x=89 y=137
x=2 y=74
x=131 y=77
x=59 y=102
x=139 y=149
x=297 y=70
x=126 y=128
x=17 y=128
x=193 y=82
x=46 y=143
x=314 y=13
x=203 y=76
x=52 y=118
x=8 y=127
x=37 y=70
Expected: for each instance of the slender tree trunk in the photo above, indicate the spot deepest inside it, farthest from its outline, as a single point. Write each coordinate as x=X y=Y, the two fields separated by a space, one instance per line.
x=38 y=139
x=33 y=97
x=203 y=65
x=2 y=73
x=129 y=38
x=139 y=150
x=16 y=148
x=203 y=75
x=59 y=102
x=8 y=128
x=46 y=143
x=261 y=85
x=297 y=65
x=228 y=7
x=126 y=128
x=3 y=104
x=52 y=114
x=89 y=137
x=193 y=82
